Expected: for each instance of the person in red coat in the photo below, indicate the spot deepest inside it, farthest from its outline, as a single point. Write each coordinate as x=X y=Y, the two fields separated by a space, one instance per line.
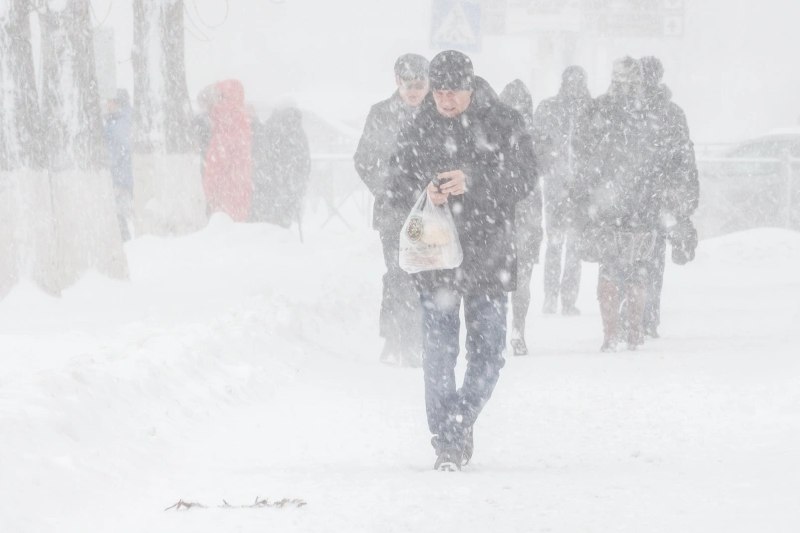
x=228 y=165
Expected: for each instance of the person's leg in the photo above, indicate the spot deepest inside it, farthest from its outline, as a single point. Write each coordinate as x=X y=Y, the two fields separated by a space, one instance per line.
x=387 y=320
x=608 y=295
x=441 y=324
x=485 y=317
x=635 y=276
x=571 y=281
x=408 y=320
x=401 y=315
x=521 y=298
x=655 y=282
x=123 y=196
x=552 y=268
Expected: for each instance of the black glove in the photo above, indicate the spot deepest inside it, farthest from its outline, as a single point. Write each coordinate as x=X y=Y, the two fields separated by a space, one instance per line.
x=683 y=239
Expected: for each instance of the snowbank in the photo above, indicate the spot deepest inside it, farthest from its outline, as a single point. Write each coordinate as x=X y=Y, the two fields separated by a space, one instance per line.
x=239 y=362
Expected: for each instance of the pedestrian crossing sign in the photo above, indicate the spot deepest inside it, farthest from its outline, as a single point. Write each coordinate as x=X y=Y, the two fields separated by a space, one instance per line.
x=456 y=24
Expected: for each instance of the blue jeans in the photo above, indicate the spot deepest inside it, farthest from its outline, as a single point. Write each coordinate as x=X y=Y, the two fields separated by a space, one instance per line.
x=451 y=411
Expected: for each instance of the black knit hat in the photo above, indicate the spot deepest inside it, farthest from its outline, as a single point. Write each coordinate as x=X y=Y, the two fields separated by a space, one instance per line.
x=652 y=70
x=411 y=67
x=451 y=70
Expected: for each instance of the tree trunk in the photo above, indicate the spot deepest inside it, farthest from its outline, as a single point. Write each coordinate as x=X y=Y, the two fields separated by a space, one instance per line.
x=168 y=195
x=87 y=231
x=26 y=217
x=163 y=112
x=20 y=126
x=70 y=101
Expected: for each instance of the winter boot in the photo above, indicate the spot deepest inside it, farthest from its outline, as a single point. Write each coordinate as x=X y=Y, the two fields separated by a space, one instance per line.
x=448 y=460
x=634 y=315
x=469 y=447
x=608 y=296
x=518 y=342
x=448 y=457
x=570 y=310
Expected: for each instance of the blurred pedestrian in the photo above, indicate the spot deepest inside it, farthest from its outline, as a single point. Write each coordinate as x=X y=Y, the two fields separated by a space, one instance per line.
x=401 y=315
x=281 y=167
x=619 y=204
x=118 y=121
x=528 y=226
x=555 y=123
x=679 y=185
x=227 y=165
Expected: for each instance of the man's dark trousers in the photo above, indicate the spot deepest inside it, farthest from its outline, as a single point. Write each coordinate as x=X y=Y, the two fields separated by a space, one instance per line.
x=452 y=411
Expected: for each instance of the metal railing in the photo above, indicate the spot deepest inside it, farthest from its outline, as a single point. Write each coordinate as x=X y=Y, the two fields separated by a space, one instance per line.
x=735 y=193
x=744 y=193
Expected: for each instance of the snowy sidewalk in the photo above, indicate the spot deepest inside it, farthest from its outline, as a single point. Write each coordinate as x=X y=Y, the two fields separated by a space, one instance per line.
x=239 y=363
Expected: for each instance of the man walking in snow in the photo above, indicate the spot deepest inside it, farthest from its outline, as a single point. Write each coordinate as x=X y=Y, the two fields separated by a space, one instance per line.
x=470 y=151
x=528 y=226
x=555 y=123
x=679 y=185
x=619 y=202
x=401 y=316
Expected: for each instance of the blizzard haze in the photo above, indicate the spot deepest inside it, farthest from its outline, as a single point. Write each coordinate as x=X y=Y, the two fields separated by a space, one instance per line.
x=733 y=71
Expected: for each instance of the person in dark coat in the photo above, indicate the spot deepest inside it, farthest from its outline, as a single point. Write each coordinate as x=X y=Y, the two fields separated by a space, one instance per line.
x=118 y=125
x=555 y=123
x=281 y=168
x=401 y=315
x=468 y=150
x=681 y=189
x=619 y=201
x=528 y=222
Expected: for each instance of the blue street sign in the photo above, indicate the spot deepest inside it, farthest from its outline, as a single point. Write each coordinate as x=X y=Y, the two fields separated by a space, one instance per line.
x=456 y=24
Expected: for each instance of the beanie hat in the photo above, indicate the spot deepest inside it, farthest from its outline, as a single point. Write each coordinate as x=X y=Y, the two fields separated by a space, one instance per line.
x=652 y=70
x=451 y=70
x=411 y=67
x=574 y=74
x=626 y=70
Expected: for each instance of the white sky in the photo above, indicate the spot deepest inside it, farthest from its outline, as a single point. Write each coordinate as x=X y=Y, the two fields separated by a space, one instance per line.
x=733 y=71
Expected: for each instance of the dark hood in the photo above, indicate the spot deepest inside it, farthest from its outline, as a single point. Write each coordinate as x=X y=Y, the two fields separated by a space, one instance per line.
x=517 y=96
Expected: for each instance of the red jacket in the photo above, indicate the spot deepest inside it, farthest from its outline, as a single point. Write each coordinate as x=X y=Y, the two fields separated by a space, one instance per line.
x=228 y=171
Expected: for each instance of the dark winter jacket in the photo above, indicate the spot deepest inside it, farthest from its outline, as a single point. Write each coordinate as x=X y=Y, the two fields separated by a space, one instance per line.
x=555 y=125
x=618 y=183
x=281 y=168
x=488 y=142
x=528 y=217
x=119 y=142
x=374 y=157
x=681 y=188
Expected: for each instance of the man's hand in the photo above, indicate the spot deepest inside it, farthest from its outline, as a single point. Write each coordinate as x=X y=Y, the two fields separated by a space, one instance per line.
x=438 y=198
x=452 y=182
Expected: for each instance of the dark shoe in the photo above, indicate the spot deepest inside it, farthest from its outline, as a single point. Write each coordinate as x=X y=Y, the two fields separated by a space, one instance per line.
x=550 y=306
x=448 y=460
x=519 y=347
x=570 y=310
x=469 y=447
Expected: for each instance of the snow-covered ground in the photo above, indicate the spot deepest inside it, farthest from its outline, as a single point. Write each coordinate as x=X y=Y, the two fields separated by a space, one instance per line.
x=239 y=362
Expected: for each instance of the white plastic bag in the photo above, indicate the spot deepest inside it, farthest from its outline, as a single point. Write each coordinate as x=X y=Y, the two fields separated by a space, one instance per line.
x=429 y=239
